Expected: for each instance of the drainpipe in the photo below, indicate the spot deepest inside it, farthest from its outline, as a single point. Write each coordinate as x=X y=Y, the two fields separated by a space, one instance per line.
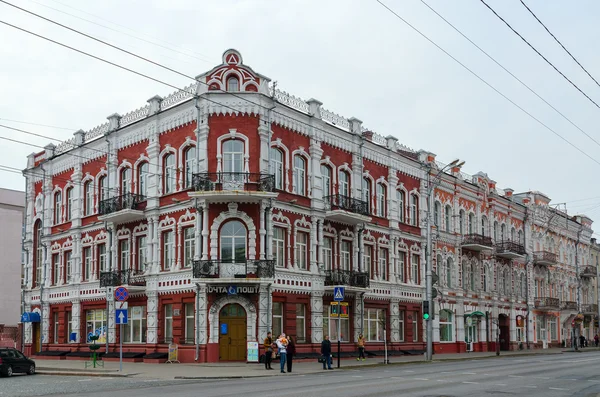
x=200 y=214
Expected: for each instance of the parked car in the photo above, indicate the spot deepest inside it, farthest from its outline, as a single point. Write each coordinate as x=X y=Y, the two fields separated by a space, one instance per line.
x=13 y=361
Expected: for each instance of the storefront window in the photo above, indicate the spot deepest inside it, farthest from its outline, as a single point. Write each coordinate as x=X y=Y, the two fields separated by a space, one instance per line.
x=552 y=328
x=300 y=323
x=330 y=326
x=168 y=323
x=277 y=319
x=401 y=326
x=135 y=329
x=415 y=325
x=190 y=323
x=374 y=321
x=95 y=325
x=446 y=334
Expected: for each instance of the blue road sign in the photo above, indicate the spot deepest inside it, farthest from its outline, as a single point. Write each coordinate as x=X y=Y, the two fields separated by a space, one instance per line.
x=121 y=294
x=338 y=294
x=121 y=316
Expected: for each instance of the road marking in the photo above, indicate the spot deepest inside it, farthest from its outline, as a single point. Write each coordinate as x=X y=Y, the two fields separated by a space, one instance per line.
x=515 y=376
x=557 y=388
x=582 y=360
x=445 y=372
x=357 y=376
x=420 y=379
x=569 y=379
x=590 y=380
x=531 y=386
x=487 y=375
x=408 y=371
x=469 y=373
x=541 y=377
x=499 y=384
x=471 y=383
x=84 y=380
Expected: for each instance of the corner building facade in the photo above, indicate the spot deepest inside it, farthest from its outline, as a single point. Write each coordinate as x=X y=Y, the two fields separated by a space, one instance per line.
x=227 y=209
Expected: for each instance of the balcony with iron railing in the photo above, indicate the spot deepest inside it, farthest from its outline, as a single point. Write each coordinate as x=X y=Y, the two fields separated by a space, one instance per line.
x=547 y=303
x=588 y=271
x=544 y=258
x=117 y=278
x=259 y=268
x=233 y=186
x=477 y=242
x=589 y=308
x=568 y=305
x=347 y=278
x=510 y=249
x=122 y=209
x=346 y=209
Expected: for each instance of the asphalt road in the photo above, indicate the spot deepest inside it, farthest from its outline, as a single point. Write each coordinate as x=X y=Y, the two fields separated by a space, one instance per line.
x=568 y=374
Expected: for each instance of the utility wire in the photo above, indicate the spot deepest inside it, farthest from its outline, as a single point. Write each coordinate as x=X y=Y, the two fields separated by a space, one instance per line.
x=561 y=44
x=540 y=54
x=40 y=125
x=488 y=84
x=512 y=74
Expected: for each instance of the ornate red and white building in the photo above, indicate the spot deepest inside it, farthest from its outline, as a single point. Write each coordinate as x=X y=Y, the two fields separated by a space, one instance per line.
x=227 y=209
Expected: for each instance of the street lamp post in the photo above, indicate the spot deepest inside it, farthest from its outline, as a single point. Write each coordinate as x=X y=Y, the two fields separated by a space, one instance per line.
x=428 y=263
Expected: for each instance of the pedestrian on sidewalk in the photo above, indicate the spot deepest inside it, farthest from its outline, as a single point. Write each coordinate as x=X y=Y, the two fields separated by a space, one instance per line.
x=596 y=340
x=282 y=343
x=268 y=344
x=326 y=352
x=361 y=347
x=291 y=352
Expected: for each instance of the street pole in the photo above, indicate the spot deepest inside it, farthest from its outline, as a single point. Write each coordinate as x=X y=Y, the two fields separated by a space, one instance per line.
x=428 y=279
x=339 y=337
x=121 y=347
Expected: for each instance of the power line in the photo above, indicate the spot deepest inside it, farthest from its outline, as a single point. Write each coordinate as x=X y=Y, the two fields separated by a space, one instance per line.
x=512 y=74
x=561 y=44
x=540 y=54
x=40 y=125
x=488 y=84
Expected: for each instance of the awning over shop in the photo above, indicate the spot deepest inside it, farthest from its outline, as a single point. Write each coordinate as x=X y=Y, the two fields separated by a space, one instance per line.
x=30 y=317
x=475 y=314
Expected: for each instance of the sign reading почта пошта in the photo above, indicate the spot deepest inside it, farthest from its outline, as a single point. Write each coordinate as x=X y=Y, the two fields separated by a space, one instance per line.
x=232 y=289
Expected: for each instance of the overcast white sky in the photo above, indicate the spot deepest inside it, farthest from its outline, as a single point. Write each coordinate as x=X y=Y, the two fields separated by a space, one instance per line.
x=354 y=56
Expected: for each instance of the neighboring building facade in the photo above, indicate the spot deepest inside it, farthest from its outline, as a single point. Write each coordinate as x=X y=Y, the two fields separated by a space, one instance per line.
x=12 y=211
x=233 y=208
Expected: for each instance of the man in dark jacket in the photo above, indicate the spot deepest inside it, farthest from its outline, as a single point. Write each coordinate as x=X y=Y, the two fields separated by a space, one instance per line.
x=268 y=344
x=326 y=352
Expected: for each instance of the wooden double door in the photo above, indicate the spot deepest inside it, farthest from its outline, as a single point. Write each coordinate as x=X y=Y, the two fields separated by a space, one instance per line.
x=232 y=333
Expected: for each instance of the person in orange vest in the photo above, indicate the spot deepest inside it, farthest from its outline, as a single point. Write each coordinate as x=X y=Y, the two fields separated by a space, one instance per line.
x=361 y=347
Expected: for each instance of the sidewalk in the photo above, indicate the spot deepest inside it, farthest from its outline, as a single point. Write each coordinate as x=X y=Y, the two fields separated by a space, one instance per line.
x=243 y=370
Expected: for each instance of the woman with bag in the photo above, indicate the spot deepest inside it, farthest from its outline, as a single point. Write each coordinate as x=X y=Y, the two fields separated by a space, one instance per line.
x=291 y=351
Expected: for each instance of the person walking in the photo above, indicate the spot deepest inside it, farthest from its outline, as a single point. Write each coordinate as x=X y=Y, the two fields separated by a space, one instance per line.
x=291 y=352
x=596 y=340
x=326 y=352
x=361 y=347
x=282 y=343
x=268 y=344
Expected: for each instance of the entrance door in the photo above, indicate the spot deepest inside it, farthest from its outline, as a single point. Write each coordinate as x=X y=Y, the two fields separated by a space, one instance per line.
x=36 y=337
x=232 y=333
x=504 y=332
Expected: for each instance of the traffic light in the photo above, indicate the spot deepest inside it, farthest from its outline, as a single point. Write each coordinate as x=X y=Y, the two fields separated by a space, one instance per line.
x=427 y=313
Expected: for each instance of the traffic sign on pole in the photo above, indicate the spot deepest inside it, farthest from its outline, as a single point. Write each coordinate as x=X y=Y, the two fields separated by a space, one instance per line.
x=121 y=294
x=119 y=305
x=121 y=316
x=338 y=294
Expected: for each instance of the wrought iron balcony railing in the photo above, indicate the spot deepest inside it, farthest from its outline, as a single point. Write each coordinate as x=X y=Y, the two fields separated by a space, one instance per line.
x=589 y=308
x=510 y=247
x=121 y=277
x=240 y=268
x=547 y=303
x=588 y=271
x=347 y=277
x=341 y=202
x=127 y=201
x=568 y=305
x=544 y=257
x=477 y=239
x=229 y=181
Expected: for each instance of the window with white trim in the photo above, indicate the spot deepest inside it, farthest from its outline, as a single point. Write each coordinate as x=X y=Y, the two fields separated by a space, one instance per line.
x=233 y=242
x=87 y=263
x=102 y=258
x=143 y=171
x=373 y=324
x=300 y=323
x=401 y=326
x=142 y=256
x=190 y=163
x=170 y=173
x=135 y=329
x=401 y=197
x=279 y=246
x=449 y=271
x=277 y=319
x=446 y=326
x=326 y=180
x=461 y=222
x=381 y=200
x=344 y=184
x=415 y=268
x=126 y=180
x=277 y=167
x=301 y=250
x=327 y=253
x=401 y=259
x=366 y=193
x=88 y=197
x=190 y=323
x=102 y=188
x=448 y=214
x=189 y=246
x=414 y=208
x=125 y=254
x=55 y=324
x=437 y=216
x=471 y=223
x=69 y=204
x=57 y=207
x=368 y=260
x=55 y=268
x=233 y=84
x=300 y=175
x=415 y=326
x=383 y=263
x=168 y=323
x=68 y=267
x=168 y=249
x=345 y=255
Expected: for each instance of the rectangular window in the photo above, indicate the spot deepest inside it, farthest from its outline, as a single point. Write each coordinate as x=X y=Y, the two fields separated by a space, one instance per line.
x=330 y=326
x=300 y=174
x=414 y=218
x=415 y=268
x=135 y=329
x=125 y=255
x=381 y=200
x=374 y=322
x=401 y=325
x=103 y=258
x=328 y=253
x=383 y=261
x=552 y=329
x=69 y=209
x=55 y=269
x=142 y=258
x=401 y=197
x=88 y=195
x=168 y=323
x=368 y=260
x=446 y=334
x=68 y=266
x=87 y=263
x=345 y=255
x=168 y=250
x=401 y=266
x=301 y=250
x=69 y=325
x=279 y=246
x=190 y=323
x=415 y=326
x=300 y=323
x=55 y=330
x=95 y=321
x=189 y=246
x=277 y=319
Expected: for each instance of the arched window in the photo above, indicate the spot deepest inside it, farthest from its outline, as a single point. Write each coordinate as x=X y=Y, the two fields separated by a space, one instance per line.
x=344 y=184
x=143 y=179
x=233 y=156
x=439 y=264
x=520 y=236
x=503 y=232
x=448 y=219
x=449 y=271
x=326 y=180
x=471 y=223
x=57 y=207
x=103 y=188
x=190 y=164
x=300 y=174
x=484 y=226
x=233 y=84
x=401 y=196
x=69 y=204
x=437 y=209
x=465 y=276
x=38 y=252
x=487 y=278
x=414 y=208
x=523 y=285
x=501 y=283
x=507 y=283
x=125 y=181
x=88 y=197
x=446 y=326
x=461 y=220
x=495 y=231
x=277 y=167
x=233 y=242
x=366 y=193
x=170 y=176
x=381 y=201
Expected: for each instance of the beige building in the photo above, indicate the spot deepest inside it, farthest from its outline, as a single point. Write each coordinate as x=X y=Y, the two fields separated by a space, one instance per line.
x=12 y=206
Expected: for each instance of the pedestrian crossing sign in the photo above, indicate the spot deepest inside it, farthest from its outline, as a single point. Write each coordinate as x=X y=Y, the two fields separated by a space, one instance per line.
x=338 y=294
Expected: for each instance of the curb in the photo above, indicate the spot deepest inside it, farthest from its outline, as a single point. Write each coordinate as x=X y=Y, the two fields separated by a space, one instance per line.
x=79 y=370
x=71 y=373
